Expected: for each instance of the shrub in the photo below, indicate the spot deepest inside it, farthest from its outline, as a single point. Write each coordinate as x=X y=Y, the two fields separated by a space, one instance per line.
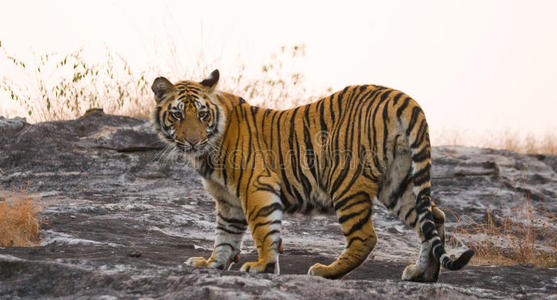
x=523 y=235
x=19 y=221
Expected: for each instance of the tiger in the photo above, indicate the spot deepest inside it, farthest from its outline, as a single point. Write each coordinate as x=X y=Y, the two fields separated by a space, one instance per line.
x=333 y=156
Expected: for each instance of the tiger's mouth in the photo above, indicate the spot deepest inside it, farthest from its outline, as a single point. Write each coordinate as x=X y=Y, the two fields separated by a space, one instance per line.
x=198 y=148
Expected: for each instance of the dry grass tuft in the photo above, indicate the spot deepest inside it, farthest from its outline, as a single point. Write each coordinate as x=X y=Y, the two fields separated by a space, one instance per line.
x=19 y=221
x=521 y=142
x=523 y=235
x=529 y=143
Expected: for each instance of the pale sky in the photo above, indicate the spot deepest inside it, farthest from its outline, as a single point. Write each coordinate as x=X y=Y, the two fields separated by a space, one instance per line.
x=472 y=65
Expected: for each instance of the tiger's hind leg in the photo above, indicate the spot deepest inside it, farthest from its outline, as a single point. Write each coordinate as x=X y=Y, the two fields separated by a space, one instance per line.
x=354 y=215
x=427 y=268
x=396 y=193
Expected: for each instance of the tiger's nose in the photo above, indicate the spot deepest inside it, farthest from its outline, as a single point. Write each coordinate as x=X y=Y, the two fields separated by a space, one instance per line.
x=192 y=141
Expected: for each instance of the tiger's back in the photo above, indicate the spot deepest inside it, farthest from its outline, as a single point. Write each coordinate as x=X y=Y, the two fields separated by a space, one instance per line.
x=316 y=149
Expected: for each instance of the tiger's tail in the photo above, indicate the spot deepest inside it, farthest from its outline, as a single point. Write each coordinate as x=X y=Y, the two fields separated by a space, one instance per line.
x=417 y=133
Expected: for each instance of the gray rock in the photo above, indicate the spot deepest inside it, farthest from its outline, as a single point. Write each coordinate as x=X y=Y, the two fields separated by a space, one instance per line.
x=121 y=215
x=10 y=126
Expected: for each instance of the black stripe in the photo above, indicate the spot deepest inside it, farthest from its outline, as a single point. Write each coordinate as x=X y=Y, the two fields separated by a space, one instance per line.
x=360 y=224
x=396 y=97
x=401 y=109
x=235 y=157
x=310 y=154
x=269 y=234
x=347 y=217
x=233 y=221
x=266 y=187
x=298 y=197
x=355 y=176
x=419 y=138
x=408 y=213
x=322 y=122
x=397 y=194
x=287 y=206
x=265 y=223
x=385 y=129
x=422 y=175
x=413 y=223
x=248 y=185
x=413 y=119
x=282 y=167
x=342 y=176
x=331 y=108
x=223 y=170
x=221 y=227
x=382 y=99
x=344 y=201
x=438 y=248
x=267 y=210
x=422 y=155
x=351 y=240
x=423 y=205
x=365 y=200
x=428 y=229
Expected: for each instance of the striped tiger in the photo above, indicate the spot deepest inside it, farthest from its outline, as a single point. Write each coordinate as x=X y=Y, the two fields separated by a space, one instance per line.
x=332 y=156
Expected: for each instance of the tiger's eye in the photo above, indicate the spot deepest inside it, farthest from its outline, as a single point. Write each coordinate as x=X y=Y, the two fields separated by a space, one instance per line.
x=202 y=115
x=177 y=115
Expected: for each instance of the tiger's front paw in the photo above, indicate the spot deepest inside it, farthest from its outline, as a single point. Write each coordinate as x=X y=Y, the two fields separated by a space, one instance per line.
x=261 y=267
x=198 y=262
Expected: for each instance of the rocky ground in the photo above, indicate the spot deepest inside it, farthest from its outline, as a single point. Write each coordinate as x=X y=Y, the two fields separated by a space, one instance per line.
x=119 y=220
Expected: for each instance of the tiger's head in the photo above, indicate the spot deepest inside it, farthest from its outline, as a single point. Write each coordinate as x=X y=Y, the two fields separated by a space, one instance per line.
x=186 y=115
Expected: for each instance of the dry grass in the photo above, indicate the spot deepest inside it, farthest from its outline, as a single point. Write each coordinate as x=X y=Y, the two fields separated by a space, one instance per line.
x=544 y=144
x=19 y=221
x=54 y=86
x=521 y=142
x=522 y=235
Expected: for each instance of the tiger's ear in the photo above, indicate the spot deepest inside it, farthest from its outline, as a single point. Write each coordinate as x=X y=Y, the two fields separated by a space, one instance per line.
x=161 y=87
x=211 y=81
